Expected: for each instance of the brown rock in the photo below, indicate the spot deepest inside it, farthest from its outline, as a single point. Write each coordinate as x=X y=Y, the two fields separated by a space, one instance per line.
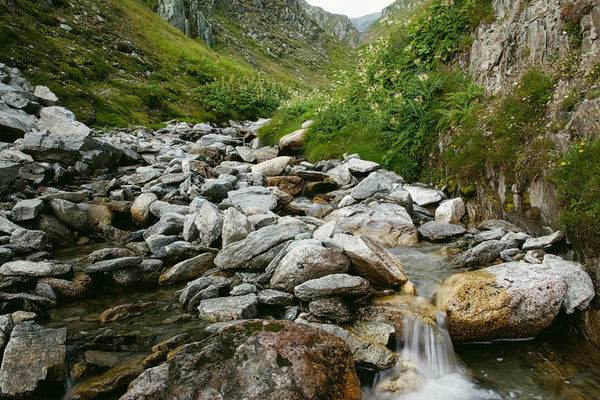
x=292 y=185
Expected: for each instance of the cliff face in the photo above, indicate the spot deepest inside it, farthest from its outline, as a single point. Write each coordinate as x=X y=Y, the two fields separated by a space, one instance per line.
x=394 y=14
x=336 y=25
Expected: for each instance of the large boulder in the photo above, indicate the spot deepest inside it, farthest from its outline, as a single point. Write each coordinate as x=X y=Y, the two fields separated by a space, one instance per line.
x=33 y=356
x=292 y=142
x=511 y=300
x=389 y=225
x=450 y=211
x=14 y=124
x=272 y=167
x=62 y=121
x=481 y=254
x=580 y=288
x=371 y=261
x=255 y=360
x=307 y=262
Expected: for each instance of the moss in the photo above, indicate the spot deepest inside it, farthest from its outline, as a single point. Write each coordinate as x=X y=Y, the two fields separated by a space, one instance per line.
x=273 y=327
x=282 y=361
x=469 y=190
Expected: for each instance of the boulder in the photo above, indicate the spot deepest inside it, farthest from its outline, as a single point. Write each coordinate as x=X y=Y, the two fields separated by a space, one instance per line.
x=389 y=225
x=187 y=269
x=580 y=288
x=330 y=285
x=358 y=166
x=292 y=142
x=238 y=254
x=112 y=265
x=480 y=255
x=307 y=262
x=262 y=359
x=272 y=167
x=228 y=308
x=45 y=95
x=57 y=233
x=69 y=214
x=371 y=261
x=33 y=356
x=274 y=297
x=25 y=240
x=59 y=120
x=450 y=211
x=374 y=183
x=198 y=289
x=331 y=308
x=14 y=124
x=424 y=196
x=438 y=231
x=159 y=208
x=236 y=226
x=510 y=300
x=140 y=209
x=544 y=242
x=26 y=210
x=253 y=200
x=168 y=224
x=341 y=175
x=209 y=222
x=216 y=189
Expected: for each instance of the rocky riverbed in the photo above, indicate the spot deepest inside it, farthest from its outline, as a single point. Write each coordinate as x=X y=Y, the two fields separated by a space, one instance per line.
x=274 y=272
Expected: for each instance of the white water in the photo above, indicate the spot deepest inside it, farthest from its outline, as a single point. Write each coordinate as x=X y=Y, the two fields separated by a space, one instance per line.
x=427 y=370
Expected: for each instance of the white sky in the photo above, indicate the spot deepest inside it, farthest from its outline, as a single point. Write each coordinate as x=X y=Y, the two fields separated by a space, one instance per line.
x=351 y=8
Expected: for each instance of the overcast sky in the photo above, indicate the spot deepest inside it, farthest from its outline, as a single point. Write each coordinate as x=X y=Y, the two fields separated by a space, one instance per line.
x=351 y=8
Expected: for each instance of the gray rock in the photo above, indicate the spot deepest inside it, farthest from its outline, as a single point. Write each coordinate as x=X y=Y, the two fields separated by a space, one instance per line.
x=367 y=354
x=187 y=269
x=112 y=265
x=5 y=254
x=216 y=189
x=331 y=308
x=274 y=297
x=450 y=211
x=246 y=153
x=69 y=214
x=424 y=196
x=325 y=232
x=341 y=175
x=157 y=243
x=307 y=262
x=497 y=223
x=374 y=183
x=159 y=208
x=45 y=95
x=236 y=226
x=209 y=222
x=56 y=231
x=6 y=327
x=330 y=285
x=520 y=237
x=228 y=308
x=168 y=224
x=25 y=240
x=371 y=261
x=14 y=124
x=401 y=198
x=26 y=210
x=45 y=290
x=146 y=273
x=33 y=356
x=580 y=288
x=61 y=121
x=8 y=173
x=140 y=209
x=493 y=234
x=509 y=255
x=479 y=255
x=15 y=156
x=33 y=268
x=195 y=291
x=359 y=166
x=544 y=242
x=259 y=221
x=237 y=254
x=243 y=289
x=437 y=231
x=213 y=138
x=253 y=200
x=272 y=167
x=508 y=300
x=387 y=224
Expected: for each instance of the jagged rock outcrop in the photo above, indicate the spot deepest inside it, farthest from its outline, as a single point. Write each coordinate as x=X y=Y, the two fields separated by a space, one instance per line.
x=337 y=25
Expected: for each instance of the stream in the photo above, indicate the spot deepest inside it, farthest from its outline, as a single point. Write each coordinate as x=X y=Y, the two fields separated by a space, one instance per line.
x=548 y=367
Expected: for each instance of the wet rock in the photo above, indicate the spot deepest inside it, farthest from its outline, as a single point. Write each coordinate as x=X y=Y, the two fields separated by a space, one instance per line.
x=274 y=297
x=237 y=254
x=334 y=284
x=187 y=269
x=272 y=360
x=439 y=231
x=57 y=233
x=69 y=214
x=195 y=291
x=292 y=142
x=45 y=290
x=374 y=332
x=371 y=261
x=99 y=216
x=330 y=308
x=544 y=242
x=114 y=381
x=109 y=253
x=450 y=211
x=112 y=265
x=580 y=288
x=307 y=262
x=33 y=356
x=508 y=300
x=24 y=240
x=228 y=308
x=26 y=210
x=77 y=288
x=236 y=226
x=291 y=185
x=374 y=183
x=253 y=200
x=365 y=353
x=126 y=311
x=481 y=254
x=146 y=273
x=389 y=225
x=157 y=243
x=423 y=196
x=272 y=167
x=403 y=379
x=32 y=268
x=103 y=359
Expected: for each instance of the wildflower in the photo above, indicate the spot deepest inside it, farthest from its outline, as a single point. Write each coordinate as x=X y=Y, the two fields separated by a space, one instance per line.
x=581 y=151
x=539 y=137
x=563 y=163
x=423 y=77
x=583 y=143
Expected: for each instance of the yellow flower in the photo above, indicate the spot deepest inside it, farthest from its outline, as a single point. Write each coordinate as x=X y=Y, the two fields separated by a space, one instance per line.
x=563 y=163
x=581 y=151
x=539 y=137
x=582 y=143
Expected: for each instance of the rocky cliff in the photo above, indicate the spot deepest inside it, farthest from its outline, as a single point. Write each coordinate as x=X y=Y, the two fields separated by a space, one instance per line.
x=336 y=25
x=364 y=22
x=394 y=14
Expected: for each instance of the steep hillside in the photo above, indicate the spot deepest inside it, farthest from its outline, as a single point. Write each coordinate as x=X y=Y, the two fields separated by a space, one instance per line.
x=364 y=22
x=392 y=16
x=336 y=25
x=277 y=37
x=116 y=63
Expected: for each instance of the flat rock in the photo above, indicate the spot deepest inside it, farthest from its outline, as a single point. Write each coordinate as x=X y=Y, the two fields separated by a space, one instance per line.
x=59 y=120
x=112 y=265
x=25 y=240
x=544 y=242
x=125 y=311
x=389 y=225
x=359 y=166
x=374 y=183
x=497 y=223
x=510 y=300
x=253 y=200
x=330 y=285
x=32 y=268
x=438 y=231
x=423 y=196
x=274 y=297
x=228 y=308
x=34 y=355
x=187 y=269
x=481 y=254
